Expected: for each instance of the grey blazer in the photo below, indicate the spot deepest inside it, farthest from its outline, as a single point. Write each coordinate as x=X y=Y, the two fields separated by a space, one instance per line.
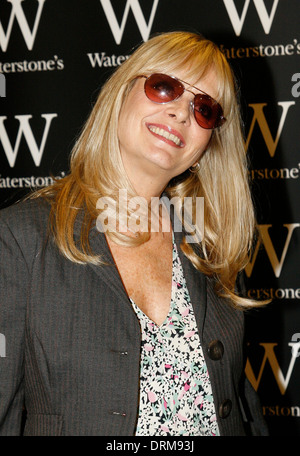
x=72 y=339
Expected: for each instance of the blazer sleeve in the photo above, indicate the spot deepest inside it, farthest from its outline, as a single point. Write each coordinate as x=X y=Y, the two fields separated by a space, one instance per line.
x=14 y=279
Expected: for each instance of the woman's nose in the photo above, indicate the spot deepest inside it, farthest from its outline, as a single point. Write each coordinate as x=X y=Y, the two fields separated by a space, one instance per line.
x=181 y=109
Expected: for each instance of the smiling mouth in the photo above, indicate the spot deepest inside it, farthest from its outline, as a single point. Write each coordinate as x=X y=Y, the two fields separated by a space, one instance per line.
x=166 y=135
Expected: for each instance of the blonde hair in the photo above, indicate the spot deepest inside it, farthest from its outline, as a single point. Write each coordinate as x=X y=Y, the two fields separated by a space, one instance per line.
x=96 y=168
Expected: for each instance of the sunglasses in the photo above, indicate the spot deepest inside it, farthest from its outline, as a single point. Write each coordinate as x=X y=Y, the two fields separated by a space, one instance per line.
x=161 y=88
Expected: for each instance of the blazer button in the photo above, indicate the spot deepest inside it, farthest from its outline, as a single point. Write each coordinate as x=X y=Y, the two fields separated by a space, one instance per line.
x=215 y=350
x=225 y=408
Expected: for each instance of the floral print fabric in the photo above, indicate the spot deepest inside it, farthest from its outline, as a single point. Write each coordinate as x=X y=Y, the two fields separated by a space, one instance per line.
x=175 y=391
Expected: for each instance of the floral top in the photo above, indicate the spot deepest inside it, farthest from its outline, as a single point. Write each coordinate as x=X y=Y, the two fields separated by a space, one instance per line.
x=175 y=390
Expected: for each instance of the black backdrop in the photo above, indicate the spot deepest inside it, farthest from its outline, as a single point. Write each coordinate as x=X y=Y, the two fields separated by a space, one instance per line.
x=56 y=54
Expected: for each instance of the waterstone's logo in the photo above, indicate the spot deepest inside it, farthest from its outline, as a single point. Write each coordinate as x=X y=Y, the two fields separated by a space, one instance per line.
x=237 y=21
x=259 y=118
x=136 y=214
x=118 y=30
x=282 y=380
x=17 y=13
x=25 y=130
x=264 y=240
x=270 y=357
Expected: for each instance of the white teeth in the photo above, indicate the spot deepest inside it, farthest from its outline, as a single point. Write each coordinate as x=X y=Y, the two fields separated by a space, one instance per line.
x=165 y=134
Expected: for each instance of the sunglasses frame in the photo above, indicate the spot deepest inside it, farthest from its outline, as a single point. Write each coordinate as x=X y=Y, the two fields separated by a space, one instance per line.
x=219 y=121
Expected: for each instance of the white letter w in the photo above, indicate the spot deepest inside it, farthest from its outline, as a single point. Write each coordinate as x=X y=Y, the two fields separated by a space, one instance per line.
x=18 y=13
x=238 y=22
x=24 y=129
x=117 y=30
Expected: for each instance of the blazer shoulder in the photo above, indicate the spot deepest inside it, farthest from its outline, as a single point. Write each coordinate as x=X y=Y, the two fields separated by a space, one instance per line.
x=26 y=215
x=24 y=225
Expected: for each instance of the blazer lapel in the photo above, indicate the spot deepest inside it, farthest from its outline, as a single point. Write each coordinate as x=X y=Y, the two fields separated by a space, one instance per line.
x=196 y=284
x=108 y=271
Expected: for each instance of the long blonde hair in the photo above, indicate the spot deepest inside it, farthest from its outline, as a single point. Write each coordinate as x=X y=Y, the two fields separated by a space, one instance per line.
x=96 y=168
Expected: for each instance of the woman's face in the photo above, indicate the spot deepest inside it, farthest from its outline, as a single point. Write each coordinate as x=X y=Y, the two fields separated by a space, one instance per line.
x=147 y=149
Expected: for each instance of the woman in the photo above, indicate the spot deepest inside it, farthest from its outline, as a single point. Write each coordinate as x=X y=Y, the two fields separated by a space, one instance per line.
x=120 y=328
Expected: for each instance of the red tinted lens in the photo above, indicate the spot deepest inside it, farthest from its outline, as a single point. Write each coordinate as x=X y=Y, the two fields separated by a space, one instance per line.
x=208 y=113
x=161 y=88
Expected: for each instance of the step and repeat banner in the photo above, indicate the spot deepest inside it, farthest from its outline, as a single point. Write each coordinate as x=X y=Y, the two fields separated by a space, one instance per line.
x=54 y=57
